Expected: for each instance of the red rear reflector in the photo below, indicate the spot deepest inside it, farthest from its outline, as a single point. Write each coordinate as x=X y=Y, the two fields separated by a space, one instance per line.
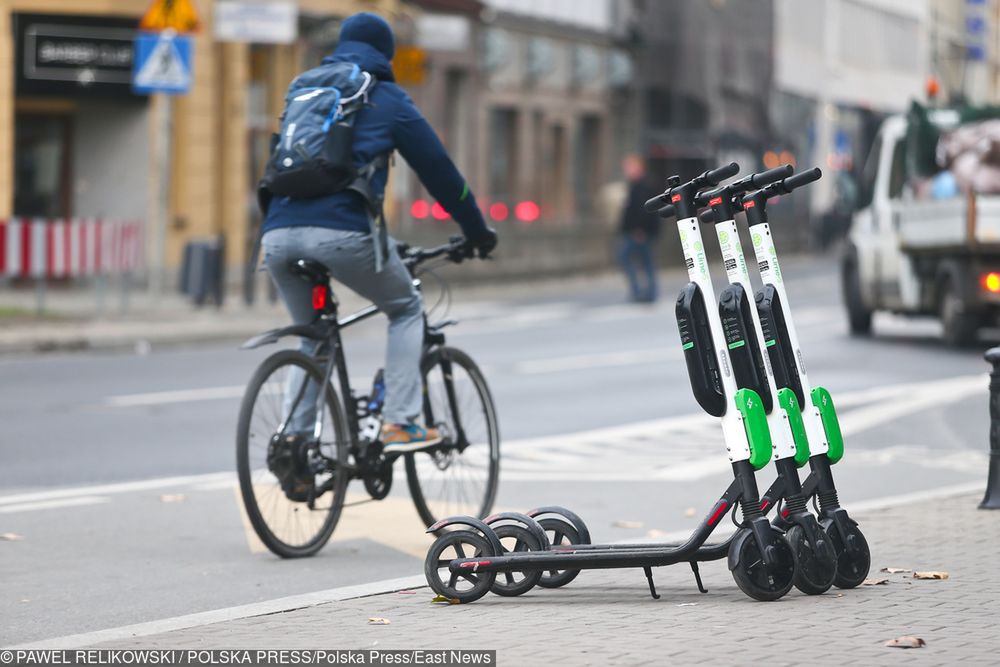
x=749 y=204
x=718 y=512
x=991 y=281
x=675 y=198
x=785 y=513
x=715 y=202
x=319 y=297
x=764 y=504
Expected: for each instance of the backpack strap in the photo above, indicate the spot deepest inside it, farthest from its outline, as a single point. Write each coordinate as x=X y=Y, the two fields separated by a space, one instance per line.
x=362 y=184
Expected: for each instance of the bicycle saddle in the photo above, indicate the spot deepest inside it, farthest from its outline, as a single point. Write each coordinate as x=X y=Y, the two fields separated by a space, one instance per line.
x=310 y=270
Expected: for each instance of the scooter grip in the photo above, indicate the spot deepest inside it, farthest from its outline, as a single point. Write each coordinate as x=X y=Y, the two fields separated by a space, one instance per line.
x=706 y=216
x=757 y=181
x=716 y=176
x=803 y=178
x=653 y=205
x=667 y=211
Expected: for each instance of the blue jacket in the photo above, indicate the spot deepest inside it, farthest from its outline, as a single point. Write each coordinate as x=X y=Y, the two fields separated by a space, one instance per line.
x=391 y=121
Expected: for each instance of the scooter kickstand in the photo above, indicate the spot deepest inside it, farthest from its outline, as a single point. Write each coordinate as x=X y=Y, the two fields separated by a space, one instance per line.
x=697 y=576
x=649 y=578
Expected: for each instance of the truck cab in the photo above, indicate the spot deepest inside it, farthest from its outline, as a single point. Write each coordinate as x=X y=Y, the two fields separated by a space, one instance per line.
x=915 y=248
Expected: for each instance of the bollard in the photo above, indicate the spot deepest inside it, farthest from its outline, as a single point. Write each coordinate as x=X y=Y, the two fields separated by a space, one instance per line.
x=991 y=501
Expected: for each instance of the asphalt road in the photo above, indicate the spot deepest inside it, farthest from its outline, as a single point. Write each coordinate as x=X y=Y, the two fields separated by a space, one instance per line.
x=117 y=468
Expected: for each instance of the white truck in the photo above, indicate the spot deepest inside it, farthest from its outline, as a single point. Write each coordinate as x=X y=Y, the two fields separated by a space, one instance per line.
x=920 y=255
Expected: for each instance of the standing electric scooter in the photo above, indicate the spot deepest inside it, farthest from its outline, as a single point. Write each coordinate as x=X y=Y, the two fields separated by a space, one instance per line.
x=818 y=414
x=761 y=560
x=816 y=558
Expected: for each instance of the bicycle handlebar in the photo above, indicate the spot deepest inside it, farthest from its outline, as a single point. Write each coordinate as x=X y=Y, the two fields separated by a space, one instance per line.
x=455 y=249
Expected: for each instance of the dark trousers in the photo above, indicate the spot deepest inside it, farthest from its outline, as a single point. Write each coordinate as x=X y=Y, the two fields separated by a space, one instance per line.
x=635 y=256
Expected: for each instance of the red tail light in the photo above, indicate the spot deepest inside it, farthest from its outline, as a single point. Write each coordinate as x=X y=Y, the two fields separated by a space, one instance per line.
x=420 y=209
x=991 y=282
x=499 y=211
x=438 y=212
x=319 y=297
x=526 y=211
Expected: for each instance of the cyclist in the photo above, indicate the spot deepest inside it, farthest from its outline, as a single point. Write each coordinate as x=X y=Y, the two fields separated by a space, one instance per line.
x=337 y=231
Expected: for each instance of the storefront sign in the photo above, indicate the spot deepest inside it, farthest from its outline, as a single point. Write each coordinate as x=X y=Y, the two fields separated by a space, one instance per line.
x=256 y=22
x=60 y=55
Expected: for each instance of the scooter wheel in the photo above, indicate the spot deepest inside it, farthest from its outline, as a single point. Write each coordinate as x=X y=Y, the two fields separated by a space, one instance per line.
x=751 y=574
x=516 y=539
x=816 y=564
x=852 y=568
x=466 y=586
x=567 y=516
x=560 y=533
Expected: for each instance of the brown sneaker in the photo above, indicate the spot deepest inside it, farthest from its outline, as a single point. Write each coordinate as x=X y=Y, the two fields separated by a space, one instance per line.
x=400 y=438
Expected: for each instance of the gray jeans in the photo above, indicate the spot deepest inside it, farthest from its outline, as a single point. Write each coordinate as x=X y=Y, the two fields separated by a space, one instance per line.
x=350 y=257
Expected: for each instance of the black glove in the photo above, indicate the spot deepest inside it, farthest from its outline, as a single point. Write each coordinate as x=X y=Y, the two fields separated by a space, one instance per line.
x=484 y=243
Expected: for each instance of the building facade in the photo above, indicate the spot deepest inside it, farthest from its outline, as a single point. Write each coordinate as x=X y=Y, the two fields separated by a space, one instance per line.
x=79 y=143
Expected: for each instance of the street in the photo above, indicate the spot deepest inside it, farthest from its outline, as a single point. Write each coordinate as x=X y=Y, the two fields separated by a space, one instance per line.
x=119 y=467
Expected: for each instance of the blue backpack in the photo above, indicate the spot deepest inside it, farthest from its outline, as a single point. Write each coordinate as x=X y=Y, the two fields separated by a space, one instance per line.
x=312 y=156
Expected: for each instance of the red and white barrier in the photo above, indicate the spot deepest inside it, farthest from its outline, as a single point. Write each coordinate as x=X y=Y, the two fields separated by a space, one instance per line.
x=40 y=248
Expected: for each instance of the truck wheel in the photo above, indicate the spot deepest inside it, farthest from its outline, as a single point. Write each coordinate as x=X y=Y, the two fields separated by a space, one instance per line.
x=859 y=317
x=960 y=325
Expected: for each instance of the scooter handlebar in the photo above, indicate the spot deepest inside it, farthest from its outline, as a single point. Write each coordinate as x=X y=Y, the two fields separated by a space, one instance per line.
x=654 y=204
x=707 y=216
x=667 y=211
x=757 y=181
x=803 y=178
x=713 y=177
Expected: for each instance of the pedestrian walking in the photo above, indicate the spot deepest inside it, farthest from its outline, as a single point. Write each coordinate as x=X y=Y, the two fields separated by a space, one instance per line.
x=638 y=233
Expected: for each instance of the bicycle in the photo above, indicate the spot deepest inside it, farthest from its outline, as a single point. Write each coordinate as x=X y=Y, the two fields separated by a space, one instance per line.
x=294 y=482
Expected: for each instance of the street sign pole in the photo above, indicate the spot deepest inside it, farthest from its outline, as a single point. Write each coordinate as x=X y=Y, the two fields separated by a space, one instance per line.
x=164 y=131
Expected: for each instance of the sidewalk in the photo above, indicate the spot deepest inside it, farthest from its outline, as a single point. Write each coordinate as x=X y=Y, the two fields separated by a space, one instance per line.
x=607 y=617
x=71 y=320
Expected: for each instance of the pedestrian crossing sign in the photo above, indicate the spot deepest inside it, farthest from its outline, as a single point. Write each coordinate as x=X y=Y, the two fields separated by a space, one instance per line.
x=162 y=63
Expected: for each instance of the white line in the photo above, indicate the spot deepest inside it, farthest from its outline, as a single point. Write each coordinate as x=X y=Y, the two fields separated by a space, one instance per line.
x=178 y=396
x=53 y=504
x=122 y=487
x=229 y=613
x=602 y=360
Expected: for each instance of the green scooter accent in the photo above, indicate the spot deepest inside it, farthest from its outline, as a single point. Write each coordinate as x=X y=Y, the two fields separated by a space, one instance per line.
x=755 y=424
x=828 y=415
x=790 y=404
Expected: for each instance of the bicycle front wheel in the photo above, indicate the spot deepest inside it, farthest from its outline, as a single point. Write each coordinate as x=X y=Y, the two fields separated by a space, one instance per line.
x=460 y=475
x=293 y=484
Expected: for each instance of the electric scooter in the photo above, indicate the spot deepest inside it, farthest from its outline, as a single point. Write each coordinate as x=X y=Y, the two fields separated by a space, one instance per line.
x=760 y=559
x=817 y=409
x=816 y=557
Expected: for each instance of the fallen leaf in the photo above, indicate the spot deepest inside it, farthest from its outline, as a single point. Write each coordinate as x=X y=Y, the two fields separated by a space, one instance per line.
x=930 y=575
x=11 y=537
x=906 y=642
x=627 y=524
x=441 y=598
x=407 y=592
x=656 y=532
x=173 y=498
x=894 y=570
x=689 y=512
x=375 y=620
x=839 y=595
x=874 y=582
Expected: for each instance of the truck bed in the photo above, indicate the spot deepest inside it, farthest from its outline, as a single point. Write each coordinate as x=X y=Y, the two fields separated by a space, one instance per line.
x=949 y=224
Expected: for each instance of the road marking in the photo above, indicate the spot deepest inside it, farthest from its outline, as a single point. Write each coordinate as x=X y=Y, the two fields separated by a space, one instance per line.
x=291 y=603
x=121 y=487
x=694 y=442
x=11 y=508
x=599 y=360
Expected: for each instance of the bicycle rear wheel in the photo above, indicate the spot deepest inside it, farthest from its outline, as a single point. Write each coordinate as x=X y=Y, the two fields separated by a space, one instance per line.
x=459 y=476
x=292 y=485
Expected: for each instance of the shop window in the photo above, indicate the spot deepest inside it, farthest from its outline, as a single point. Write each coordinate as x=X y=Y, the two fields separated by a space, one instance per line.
x=42 y=165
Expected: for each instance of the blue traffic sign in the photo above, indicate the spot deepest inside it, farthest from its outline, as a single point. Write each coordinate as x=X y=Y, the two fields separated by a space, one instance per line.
x=162 y=63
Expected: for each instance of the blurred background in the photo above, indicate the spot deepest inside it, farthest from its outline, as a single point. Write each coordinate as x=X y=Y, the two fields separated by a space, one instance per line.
x=537 y=100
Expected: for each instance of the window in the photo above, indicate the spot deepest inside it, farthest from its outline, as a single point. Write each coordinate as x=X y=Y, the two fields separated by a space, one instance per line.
x=867 y=191
x=503 y=154
x=42 y=165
